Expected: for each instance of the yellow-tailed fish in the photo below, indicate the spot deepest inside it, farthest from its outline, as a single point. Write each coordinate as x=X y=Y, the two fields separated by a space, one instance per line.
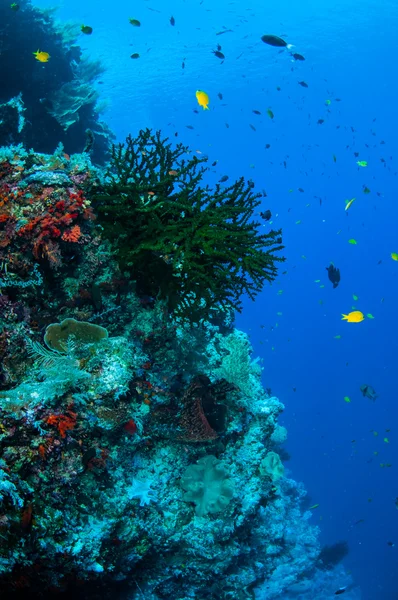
x=203 y=99
x=355 y=316
x=362 y=163
x=41 y=56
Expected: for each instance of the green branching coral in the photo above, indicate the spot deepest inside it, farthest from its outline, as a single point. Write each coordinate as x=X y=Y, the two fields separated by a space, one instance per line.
x=197 y=247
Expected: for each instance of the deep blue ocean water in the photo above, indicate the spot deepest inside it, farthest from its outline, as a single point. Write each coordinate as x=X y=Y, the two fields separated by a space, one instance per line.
x=350 y=51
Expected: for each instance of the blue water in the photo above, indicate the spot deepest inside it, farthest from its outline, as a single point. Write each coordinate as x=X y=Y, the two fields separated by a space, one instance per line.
x=350 y=51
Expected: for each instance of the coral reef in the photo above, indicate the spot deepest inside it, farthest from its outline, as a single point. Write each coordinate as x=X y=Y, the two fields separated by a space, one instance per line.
x=42 y=104
x=139 y=453
x=198 y=248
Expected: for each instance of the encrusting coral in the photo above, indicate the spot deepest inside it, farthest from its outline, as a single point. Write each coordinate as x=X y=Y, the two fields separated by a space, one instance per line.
x=182 y=241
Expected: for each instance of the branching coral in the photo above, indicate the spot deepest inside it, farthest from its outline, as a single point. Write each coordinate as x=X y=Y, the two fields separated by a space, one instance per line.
x=196 y=247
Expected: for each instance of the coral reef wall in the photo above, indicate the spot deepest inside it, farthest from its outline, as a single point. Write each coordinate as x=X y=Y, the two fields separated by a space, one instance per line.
x=44 y=103
x=139 y=452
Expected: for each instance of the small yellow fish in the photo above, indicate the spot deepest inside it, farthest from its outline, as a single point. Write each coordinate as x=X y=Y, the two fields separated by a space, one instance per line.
x=362 y=163
x=386 y=440
x=394 y=255
x=355 y=297
x=352 y=241
x=348 y=203
x=356 y=316
x=370 y=316
x=313 y=506
x=203 y=99
x=347 y=399
x=328 y=102
x=337 y=337
x=41 y=56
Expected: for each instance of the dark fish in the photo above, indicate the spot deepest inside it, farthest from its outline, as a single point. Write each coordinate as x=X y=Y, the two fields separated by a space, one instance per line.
x=303 y=84
x=368 y=392
x=189 y=126
x=252 y=127
x=225 y=31
x=219 y=95
x=183 y=65
x=226 y=125
x=301 y=190
x=213 y=164
x=334 y=275
x=274 y=40
x=135 y=55
x=297 y=56
x=218 y=54
x=172 y=21
x=195 y=111
x=266 y=215
x=224 y=178
x=256 y=112
x=391 y=544
x=135 y=22
x=86 y=29
x=320 y=121
x=267 y=146
x=340 y=591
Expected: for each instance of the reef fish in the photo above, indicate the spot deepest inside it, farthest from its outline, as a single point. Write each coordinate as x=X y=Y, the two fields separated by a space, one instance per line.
x=274 y=40
x=203 y=99
x=368 y=391
x=355 y=316
x=41 y=56
x=86 y=29
x=334 y=275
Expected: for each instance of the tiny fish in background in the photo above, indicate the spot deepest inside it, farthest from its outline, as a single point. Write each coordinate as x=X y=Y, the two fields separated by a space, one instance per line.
x=41 y=56
x=274 y=40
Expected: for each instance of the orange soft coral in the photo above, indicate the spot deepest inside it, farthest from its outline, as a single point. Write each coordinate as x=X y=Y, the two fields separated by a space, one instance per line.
x=72 y=235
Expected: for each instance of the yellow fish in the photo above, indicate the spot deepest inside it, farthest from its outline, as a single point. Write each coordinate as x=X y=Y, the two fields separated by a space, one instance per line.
x=41 y=56
x=348 y=203
x=356 y=316
x=203 y=99
x=394 y=255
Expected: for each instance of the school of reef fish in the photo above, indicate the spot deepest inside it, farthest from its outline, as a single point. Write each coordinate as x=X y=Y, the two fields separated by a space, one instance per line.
x=139 y=451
